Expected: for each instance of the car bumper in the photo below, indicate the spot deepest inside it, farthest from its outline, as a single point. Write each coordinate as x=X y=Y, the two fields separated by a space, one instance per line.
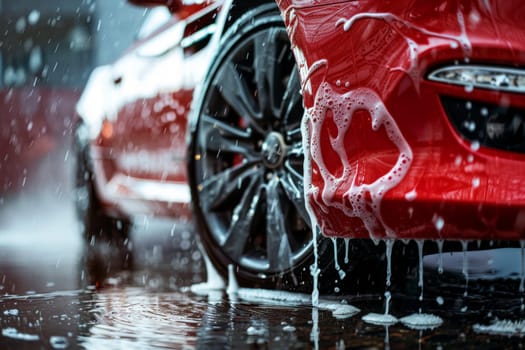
x=386 y=161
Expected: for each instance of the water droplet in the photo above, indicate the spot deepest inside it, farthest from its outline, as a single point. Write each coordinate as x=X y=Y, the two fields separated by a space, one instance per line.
x=33 y=17
x=439 y=223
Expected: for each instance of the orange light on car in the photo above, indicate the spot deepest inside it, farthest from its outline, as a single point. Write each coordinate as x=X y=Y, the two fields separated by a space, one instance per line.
x=107 y=129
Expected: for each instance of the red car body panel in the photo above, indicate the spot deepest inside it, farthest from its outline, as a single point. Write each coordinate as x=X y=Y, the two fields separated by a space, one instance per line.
x=138 y=131
x=385 y=160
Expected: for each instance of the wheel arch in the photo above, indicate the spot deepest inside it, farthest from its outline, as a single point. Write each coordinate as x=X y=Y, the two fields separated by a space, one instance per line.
x=242 y=11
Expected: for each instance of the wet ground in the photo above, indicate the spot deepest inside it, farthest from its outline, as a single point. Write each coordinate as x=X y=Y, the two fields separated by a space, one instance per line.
x=58 y=292
x=50 y=298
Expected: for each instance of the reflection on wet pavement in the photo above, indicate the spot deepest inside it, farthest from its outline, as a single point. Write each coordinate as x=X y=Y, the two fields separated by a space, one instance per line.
x=59 y=293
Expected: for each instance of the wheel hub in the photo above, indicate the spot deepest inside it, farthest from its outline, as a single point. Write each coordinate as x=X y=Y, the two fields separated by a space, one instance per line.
x=273 y=150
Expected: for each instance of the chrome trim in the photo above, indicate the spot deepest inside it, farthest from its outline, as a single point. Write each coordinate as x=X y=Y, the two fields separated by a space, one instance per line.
x=481 y=77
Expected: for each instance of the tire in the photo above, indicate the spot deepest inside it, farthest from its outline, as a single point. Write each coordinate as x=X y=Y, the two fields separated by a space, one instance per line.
x=94 y=222
x=246 y=163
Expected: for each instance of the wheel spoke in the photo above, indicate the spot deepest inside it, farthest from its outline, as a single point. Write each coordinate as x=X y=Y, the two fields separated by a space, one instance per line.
x=217 y=189
x=295 y=150
x=220 y=137
x=295 y=173
x=227 y=129
x=242 y=220
x=266 y=72
x=292 y=98
x=294 y=133
x=238 y=95
x=295 y=193
x=278 y=246
x=254 y=211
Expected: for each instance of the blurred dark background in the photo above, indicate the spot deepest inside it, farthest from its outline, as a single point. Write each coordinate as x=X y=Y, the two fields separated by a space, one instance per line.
x=47 y=51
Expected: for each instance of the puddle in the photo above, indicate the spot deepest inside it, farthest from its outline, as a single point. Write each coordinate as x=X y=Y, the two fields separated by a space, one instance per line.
x=49 y=299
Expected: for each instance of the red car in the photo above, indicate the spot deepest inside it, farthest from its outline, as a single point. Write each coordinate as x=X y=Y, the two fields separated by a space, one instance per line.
x=412 y=128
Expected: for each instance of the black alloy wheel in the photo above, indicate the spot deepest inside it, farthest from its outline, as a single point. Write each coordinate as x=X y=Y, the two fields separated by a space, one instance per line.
x=245 y=170
x=246 y=157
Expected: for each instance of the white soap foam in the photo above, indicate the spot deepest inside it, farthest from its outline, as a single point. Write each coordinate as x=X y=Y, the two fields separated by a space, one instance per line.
x=273 y=296
x=340 y=310
x=347 y=248
x=343 y=107
x=421 y=321
x=214 y=280
x=233 y=286
x=380 y=319
x=256 y=331
x=410 y=196
x=13 y=333
x=502 y=327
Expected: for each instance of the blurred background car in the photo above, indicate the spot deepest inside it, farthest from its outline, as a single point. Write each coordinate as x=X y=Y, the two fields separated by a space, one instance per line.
x=138 y=137
x=130 y=138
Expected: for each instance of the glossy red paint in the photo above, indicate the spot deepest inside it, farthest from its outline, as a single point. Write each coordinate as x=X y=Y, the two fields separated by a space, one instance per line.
x=137 y=113
x=451 y=189
x=181 y=9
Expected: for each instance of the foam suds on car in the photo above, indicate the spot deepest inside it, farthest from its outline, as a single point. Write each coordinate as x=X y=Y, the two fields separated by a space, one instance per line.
x=342 y=108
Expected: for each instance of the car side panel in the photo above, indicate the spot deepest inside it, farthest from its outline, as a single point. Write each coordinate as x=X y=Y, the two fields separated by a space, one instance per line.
x=138 y=139
x=385 y=160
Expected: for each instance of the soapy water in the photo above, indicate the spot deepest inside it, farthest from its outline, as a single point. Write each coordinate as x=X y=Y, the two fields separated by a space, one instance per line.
x=361 y=201
x=151 y=317
x=502 y=327
x=385 y=319
x=343 y=107
x=422 y=321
